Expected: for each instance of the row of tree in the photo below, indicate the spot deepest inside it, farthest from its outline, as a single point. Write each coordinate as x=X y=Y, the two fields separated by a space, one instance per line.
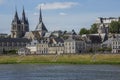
x=92 y=30
x=114 y=27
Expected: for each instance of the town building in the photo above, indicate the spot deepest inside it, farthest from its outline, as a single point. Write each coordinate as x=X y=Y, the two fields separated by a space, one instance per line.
x=42 y=47
x=32 y=46
x=93 y=42
x=7 y=44
x=56 y=46
x=74 y=45
x=116 y=44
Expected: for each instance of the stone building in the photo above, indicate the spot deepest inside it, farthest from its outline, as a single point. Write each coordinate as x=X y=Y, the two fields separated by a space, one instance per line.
x=32 y=46
x=19 y=26
x=42 y=47
x=7 y=44
x=56 y=46
x=74 y=45
x=92 y=42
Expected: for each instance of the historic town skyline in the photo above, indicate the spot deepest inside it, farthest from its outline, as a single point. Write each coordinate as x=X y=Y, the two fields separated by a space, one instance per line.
x=59 y=14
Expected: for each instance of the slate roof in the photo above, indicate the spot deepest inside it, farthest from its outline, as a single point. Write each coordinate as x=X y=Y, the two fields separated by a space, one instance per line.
x=41 y=27
x=57 y=40
x=14 y=40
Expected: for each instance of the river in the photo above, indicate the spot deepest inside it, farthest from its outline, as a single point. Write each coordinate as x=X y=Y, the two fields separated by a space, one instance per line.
x=59 y=72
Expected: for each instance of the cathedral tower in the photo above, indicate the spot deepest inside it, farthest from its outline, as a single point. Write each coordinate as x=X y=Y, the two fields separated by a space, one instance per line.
x=16 y=27
x=19 y=27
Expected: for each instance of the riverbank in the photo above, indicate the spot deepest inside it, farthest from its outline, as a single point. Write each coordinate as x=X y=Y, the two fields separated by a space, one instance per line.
x=61 y=59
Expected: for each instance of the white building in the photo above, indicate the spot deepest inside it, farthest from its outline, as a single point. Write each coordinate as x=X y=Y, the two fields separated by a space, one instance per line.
x=56 y=46
x=32 y=46
x=72 y=45
x=116 y=45
x=42 y=47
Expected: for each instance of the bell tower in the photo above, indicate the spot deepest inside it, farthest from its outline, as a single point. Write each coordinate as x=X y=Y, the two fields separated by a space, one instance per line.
x=16 y=27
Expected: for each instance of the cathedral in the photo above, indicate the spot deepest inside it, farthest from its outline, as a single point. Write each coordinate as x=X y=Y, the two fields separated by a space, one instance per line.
x=19 y=26
x=39 y=31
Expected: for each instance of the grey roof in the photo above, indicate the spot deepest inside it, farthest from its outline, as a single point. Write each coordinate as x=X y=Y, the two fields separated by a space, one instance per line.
x=74 y=38
x=57 y=40
x=14 y=40
x=41 y=27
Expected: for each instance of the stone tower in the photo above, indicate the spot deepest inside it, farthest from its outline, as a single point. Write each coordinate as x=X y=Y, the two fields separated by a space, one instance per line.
x=19 y=27
x=16 y=30
x=41 y=27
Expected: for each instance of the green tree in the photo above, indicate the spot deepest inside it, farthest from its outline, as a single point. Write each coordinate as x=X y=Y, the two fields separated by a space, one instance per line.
x=115 y=27
x=93 y=29
x=84 y=31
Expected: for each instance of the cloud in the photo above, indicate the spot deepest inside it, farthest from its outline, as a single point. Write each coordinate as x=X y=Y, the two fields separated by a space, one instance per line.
x=63 y=14
x=56 y=5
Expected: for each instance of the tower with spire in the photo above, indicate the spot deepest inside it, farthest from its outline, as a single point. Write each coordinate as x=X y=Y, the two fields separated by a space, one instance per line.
x=24 y=23
x=41 y=27
x=19 y=26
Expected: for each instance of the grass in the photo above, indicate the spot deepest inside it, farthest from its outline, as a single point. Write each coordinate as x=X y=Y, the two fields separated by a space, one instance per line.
x=61 y=59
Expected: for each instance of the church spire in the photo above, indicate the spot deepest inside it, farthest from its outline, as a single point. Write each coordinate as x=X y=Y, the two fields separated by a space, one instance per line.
x=40 y=17
x=16 y=18
x=23 y=15
x=41 y=26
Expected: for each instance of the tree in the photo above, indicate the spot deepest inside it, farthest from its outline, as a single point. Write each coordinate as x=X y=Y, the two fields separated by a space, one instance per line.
x=84 y=31
x=93 y=29
x=115 y=27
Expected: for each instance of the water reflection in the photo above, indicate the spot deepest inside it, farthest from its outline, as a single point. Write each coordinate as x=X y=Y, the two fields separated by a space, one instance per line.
x=59 y=72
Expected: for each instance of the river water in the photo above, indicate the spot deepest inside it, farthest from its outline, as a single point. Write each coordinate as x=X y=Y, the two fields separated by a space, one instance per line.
x=59 y=72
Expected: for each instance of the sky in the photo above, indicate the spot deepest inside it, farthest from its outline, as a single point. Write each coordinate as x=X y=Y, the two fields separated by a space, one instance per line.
x=58 y=14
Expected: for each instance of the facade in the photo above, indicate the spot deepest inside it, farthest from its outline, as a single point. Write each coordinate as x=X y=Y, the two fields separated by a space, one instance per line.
x=42 y=47
x=56 y=46
x=93 y=42
x=116 y=45
x=8 y=44
x=72 y=45
x=32 y=46
x=19 y=26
